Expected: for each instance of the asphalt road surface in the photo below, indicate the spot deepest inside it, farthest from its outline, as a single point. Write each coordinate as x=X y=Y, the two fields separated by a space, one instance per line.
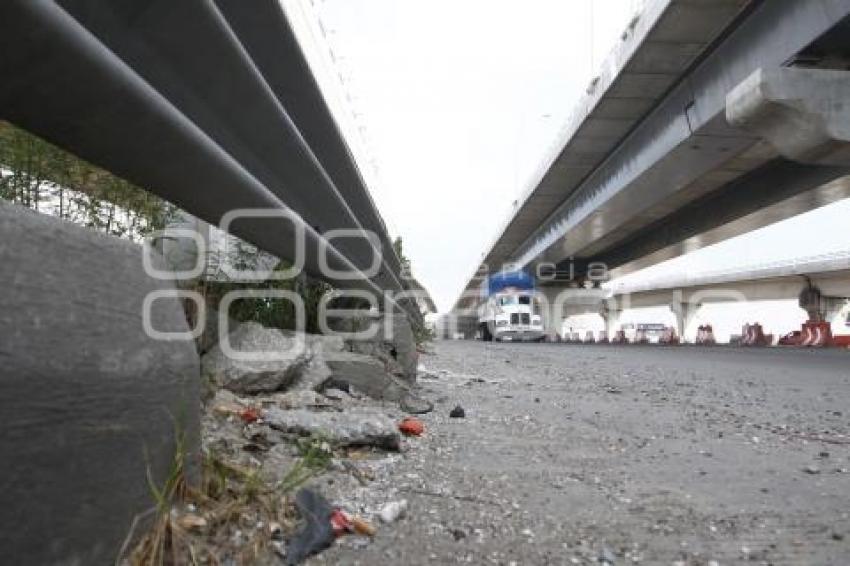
x=625 y=454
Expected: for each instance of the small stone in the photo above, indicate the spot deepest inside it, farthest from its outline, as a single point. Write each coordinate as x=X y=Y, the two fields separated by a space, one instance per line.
x=457 y=413
x=279 y=548
x=606 y=556
x=837 y=536
x=811 y=469
x=336 y=394
x=393 y=510
x=458 y=534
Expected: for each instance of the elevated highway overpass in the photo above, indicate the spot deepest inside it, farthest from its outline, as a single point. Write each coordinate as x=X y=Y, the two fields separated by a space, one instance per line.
x=709 y=120
x=686 y=294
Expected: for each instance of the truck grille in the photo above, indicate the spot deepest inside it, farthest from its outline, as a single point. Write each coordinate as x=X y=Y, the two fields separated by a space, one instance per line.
x=526 y=318
x=514 y=318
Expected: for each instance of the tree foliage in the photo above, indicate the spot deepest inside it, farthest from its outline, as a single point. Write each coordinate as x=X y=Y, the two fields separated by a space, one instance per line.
x=39 y=175
x=398 y=247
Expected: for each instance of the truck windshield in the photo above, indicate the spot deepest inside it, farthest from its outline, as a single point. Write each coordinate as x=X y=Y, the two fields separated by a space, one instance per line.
x=524 y=300
x=509 y=300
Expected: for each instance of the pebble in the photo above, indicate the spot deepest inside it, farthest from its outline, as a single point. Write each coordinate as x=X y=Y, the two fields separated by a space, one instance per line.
x=606 y=556
x=457 y=413
x=393 y=511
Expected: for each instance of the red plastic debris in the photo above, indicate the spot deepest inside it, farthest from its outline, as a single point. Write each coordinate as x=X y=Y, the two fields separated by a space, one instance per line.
x=411 y=426
x=250 y=415
x=340 y=523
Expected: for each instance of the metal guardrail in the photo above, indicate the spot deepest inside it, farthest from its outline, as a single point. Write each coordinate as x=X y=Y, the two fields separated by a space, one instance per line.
x=209 y=105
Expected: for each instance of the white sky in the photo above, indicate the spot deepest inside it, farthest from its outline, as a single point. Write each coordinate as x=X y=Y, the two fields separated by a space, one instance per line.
x=457 y=100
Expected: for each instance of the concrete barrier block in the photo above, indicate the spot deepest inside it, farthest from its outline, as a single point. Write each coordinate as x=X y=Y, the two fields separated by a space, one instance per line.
x=88 y=400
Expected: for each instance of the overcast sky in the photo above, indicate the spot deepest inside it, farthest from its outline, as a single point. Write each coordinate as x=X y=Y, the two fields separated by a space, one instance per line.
x=455 y=102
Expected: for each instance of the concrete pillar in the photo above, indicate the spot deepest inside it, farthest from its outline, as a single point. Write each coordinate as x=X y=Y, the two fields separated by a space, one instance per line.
x=560 y=302
x=685 y=313
x=611 y=316
x=552 y=312
x=802 y=113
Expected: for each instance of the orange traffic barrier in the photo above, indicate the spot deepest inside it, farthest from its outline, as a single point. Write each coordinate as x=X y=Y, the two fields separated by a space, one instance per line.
x=705 y=336
x=753 y=335
x=816 y=334
x=668 y=337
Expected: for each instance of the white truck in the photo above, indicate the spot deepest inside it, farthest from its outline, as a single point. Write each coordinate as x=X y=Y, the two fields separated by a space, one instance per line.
x=509 y=309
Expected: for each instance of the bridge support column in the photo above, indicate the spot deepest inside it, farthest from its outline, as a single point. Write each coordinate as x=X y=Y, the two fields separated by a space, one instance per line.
x=800 y=112
x=611 y=316
x=560 y=302
x=685 y=313
x=553 y=313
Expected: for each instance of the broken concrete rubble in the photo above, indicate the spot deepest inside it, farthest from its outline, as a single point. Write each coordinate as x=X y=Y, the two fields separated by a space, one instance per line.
x=268 y=360
x=392 y=342
x=356 y=427
x=299 y=400
x=266 y=428
x=368 y=375
x=262 y=360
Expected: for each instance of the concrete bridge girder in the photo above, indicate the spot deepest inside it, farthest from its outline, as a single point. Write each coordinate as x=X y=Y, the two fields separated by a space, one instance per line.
x=837 y=285
x=800 y=112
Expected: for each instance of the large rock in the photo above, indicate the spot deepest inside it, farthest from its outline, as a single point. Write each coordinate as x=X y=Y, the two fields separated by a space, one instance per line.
x=355 y=427
x=393 y=344
x=321 y=345
x=317 y=372
x=367 y=374
x=278 y=359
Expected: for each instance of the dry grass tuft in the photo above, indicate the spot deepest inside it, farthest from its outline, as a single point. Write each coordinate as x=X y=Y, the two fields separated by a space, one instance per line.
x=233 y=515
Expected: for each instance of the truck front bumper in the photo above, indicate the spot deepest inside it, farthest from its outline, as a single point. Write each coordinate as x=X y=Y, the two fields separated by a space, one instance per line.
x=526 y=334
